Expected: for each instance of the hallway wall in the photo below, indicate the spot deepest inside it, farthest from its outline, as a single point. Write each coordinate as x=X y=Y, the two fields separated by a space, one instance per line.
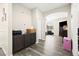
x=5 y=30
x=38 y=23
x=74 y=27
x=56 y=21
x=21 y=17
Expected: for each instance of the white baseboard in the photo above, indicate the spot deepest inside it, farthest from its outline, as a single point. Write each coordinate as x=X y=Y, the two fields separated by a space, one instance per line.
x=37 y=42
x=42 y=39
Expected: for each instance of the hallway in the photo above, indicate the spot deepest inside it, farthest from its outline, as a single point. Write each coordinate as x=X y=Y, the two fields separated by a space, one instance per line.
x=52 y=46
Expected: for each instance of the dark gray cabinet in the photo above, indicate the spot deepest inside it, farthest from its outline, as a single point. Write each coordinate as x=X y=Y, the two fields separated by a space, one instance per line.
x=18 y=43
x=30 y=39
x=23 y=41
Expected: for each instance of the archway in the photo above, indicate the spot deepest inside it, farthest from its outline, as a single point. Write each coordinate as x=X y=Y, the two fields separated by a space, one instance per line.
x=52 y=21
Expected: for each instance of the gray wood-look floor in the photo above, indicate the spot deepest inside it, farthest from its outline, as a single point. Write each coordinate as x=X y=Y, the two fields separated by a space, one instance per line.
x=51 y=46
x=1 y=52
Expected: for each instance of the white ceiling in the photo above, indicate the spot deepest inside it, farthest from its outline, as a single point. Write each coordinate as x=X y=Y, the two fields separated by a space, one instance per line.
x=50 y=19
x=43 y=6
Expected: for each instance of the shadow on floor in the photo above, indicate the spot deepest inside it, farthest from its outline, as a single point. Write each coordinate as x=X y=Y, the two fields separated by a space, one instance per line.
x=1 y=52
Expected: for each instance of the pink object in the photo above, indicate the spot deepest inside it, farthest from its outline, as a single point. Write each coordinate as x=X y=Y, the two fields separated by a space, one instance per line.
x=67 y=44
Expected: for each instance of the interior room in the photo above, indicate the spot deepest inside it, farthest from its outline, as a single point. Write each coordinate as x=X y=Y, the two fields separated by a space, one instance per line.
x=39 y=29
x=28 y=28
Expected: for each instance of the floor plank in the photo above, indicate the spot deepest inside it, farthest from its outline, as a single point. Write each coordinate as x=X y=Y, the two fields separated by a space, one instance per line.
x=51 y=46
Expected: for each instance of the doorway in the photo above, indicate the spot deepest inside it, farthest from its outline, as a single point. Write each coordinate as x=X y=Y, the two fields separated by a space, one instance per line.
x=63 y=32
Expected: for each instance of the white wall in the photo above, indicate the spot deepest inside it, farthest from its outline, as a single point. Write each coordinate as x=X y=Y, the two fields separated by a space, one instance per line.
x=74 y=27
x=55 y=18
x=3 y=25
x=34 y=22
x=38 y=23
x=21 y=17
x=56 y=25
x=10 y=46
x=4 y=30
x=43 y=27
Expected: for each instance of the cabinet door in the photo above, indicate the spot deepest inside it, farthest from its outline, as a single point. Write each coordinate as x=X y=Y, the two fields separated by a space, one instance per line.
x=29 y=39
x=26 y=40
x=33 y=38
x=18 y=43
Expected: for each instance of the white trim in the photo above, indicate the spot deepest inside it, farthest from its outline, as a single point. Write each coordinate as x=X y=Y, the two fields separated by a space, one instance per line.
x=78 y=53
x=37 y=41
